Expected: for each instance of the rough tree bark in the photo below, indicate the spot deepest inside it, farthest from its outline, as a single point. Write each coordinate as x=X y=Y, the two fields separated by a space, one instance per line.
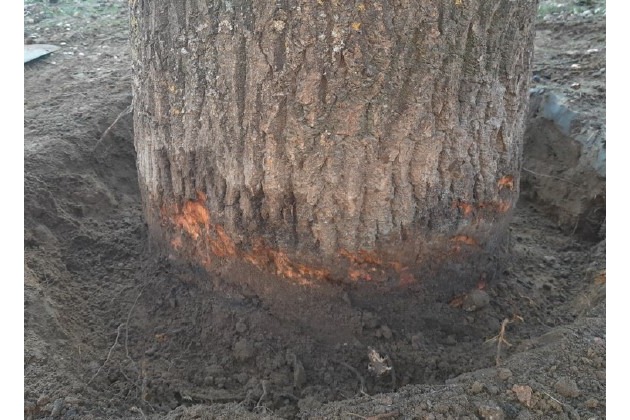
x=349 y=140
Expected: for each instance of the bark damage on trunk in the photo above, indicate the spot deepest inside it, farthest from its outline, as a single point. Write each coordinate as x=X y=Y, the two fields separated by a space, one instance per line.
x=327 y=139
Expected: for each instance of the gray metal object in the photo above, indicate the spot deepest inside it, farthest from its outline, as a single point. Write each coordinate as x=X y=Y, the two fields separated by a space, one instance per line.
x=33 y=51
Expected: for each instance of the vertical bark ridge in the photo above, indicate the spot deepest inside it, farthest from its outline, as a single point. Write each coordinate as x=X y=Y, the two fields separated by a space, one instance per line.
x=322 y=126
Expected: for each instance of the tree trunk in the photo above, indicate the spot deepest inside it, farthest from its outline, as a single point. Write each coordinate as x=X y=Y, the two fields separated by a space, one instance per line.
x=326 y=139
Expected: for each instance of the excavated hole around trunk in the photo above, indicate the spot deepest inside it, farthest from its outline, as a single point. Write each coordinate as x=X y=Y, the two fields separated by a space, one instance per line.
x=111 y=328
x=244 y=336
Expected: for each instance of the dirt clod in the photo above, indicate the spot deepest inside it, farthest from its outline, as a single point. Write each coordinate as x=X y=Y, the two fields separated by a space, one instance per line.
x=567 y=387
x=523 y=394
x=504 y=374
x=491 y=411
x=476 y=387
x=386 y=332
x=476 y=300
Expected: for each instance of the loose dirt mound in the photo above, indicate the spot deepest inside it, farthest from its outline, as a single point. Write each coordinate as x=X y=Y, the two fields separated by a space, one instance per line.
x=113 y=331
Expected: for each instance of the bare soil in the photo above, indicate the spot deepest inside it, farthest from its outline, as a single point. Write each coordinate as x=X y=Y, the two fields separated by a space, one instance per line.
x=113 y=330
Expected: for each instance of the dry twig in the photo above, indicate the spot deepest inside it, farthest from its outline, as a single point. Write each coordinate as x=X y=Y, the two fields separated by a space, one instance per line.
x=262 y=397
x=551 y=176
x=108 y=354
x=135 y=409
x=112 y=125
x=500 y=338
x=127 y=326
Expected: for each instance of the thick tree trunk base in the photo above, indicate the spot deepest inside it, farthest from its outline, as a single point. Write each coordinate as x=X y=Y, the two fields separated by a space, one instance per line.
x=437 y=265
x=375 y=144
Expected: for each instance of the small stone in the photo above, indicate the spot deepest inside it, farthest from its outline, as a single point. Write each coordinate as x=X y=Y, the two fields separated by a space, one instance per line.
x=490 y=412
x=243 y=350
x=241 y=327
x=476 y=387
x=591 y=403
x=476 y=300
x=57 y=406
x=450 y=340
x=524 y=394
x=567 y=387
x=504 y=374
x=441 y=408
